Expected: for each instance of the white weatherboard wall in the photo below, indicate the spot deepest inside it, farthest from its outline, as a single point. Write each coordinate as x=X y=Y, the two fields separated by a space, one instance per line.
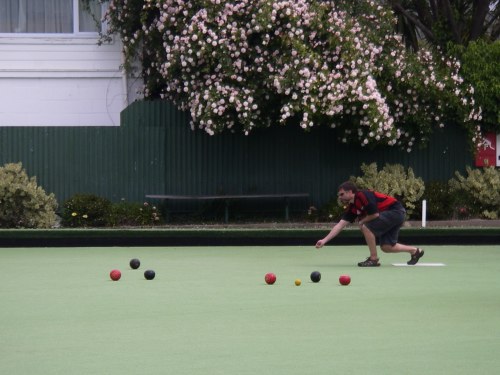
x=61 y=81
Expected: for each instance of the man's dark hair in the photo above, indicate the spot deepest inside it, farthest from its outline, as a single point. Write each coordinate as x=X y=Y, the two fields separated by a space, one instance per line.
x=348 y=186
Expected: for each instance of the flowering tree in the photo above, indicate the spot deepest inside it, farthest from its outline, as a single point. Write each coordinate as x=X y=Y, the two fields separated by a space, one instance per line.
x=251 y=63
x=466 y=29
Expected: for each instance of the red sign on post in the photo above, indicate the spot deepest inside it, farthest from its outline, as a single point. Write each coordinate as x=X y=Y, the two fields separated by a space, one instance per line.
x=488 y=153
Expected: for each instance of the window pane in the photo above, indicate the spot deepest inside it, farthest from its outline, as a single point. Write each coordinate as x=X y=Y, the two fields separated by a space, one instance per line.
x=90 y=16
x=36 y=16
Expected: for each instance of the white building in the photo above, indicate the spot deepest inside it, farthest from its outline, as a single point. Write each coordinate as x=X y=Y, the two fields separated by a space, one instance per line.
x=52 y=70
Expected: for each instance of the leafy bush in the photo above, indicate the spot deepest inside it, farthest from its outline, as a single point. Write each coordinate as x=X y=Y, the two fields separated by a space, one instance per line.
x=332 y=210
x=480 y=68
x=392 y=180
x=23 y=203
x=478 y=193
x=86 y=210
x=134 y=214
x=439 y=201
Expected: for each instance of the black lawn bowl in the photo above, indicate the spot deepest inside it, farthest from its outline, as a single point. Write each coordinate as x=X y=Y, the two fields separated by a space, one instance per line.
x=135 y=263
x=315 y=276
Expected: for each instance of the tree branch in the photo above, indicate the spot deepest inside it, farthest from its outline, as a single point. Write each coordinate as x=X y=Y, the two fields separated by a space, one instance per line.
x=398 y=8
x=446 y=6
x=479 y=15
x=424 y=12
x=494 y=28
x=434 y=11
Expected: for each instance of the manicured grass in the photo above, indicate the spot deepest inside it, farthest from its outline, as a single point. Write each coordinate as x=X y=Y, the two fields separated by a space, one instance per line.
x=208 y=311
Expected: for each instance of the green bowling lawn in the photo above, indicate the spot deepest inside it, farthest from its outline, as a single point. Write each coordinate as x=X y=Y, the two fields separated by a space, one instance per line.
x=209 y=311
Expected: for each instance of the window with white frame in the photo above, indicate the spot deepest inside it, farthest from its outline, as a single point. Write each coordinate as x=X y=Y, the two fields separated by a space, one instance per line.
x=50 y=16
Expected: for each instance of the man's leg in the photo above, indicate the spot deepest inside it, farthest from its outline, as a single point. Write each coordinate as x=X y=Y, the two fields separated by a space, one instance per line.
x=398 y=248
x=387 y=226
x=371 y=241
x=415 y=252
x=389 y=244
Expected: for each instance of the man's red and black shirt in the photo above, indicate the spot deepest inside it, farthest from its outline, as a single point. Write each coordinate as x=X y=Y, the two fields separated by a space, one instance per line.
x=369 y=202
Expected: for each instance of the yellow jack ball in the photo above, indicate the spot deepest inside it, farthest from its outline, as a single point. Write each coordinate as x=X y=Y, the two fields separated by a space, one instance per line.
x=298 y=282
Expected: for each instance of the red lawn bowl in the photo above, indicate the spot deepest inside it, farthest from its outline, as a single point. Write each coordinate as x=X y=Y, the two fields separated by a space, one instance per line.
x=345 y=279
x=115 y=275
x=270 y=278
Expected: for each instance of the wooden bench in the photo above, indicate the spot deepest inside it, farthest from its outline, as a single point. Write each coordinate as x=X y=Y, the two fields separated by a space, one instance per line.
x=228 y=198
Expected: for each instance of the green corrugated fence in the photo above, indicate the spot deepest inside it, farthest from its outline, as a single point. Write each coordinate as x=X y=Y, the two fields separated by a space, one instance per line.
x=154 y=152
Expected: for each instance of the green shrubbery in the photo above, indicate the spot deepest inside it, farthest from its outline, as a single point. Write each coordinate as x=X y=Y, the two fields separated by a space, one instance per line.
x=87 y=210
x=134 y=214
x=439 y=201
x=23 y=203
x=478 y=194
x=392 y=180
x=474 y=196
x=330 y=211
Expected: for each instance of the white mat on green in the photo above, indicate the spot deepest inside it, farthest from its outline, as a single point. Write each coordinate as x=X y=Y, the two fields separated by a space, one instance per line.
x=419 y=265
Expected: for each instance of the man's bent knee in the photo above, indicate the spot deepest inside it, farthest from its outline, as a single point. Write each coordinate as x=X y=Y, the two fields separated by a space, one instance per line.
x=386 y=248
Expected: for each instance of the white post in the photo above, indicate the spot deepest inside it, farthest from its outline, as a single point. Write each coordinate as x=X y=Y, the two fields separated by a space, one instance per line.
x=424 y=213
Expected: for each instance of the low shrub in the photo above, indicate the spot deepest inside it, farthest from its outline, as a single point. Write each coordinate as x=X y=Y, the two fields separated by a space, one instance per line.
x=23 y=203
x=86 y=210
x=477 y=194
x=332 y=210
x=392 y=180
x=439 y=201
x=134 y=214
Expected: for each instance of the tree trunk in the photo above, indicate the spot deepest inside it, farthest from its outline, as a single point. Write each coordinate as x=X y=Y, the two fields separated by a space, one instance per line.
x=478 y=18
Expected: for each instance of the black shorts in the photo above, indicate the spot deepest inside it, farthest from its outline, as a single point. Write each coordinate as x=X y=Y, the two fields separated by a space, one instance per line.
x=386 y=226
